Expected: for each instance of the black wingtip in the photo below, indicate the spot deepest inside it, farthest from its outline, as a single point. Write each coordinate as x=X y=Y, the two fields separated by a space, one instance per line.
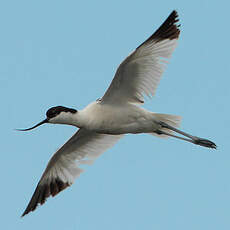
x=169 y=29
x=42 y=192
x=24 y=213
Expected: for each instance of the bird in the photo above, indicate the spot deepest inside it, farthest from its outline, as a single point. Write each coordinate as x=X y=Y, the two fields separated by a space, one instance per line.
x=105 y=121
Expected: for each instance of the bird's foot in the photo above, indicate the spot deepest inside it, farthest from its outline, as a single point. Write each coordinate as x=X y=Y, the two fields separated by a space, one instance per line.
x=205 y=143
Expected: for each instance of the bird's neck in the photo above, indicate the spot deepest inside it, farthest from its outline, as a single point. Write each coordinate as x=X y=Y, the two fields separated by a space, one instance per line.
x=76 y=119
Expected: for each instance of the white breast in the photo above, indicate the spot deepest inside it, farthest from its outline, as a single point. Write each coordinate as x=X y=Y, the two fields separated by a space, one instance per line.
x=115 y=119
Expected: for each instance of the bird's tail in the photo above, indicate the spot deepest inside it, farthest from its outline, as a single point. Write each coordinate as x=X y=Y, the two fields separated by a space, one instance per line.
x=172 y=120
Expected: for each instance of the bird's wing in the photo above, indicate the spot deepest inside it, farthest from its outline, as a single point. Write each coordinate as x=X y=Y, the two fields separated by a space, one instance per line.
x=140 y=73
x=63 y=168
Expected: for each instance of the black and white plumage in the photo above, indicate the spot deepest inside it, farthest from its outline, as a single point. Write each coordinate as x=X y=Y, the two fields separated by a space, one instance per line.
x=104 y=122
x=144 y=67
x=63 y=168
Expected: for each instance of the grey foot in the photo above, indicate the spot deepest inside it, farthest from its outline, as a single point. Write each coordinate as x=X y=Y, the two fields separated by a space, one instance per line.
x=205 y=143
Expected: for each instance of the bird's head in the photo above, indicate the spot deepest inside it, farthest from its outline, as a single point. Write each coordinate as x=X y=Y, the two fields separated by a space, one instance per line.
x=56 y=115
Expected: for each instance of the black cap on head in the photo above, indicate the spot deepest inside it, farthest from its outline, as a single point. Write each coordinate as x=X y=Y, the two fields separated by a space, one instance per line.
x=54 y=111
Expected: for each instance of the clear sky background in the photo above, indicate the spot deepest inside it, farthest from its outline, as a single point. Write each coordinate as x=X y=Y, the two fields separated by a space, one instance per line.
x=65 y=53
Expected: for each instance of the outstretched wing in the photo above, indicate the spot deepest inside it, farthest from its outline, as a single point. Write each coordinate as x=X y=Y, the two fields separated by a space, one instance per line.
x=63 y=168
x=140 y=73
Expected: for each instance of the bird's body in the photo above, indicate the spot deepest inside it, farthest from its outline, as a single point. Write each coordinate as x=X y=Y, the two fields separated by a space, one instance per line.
x=115 y=119
x=103 y=122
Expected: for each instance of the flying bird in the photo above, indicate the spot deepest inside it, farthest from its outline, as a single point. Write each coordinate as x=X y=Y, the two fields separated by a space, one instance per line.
x=103 y=122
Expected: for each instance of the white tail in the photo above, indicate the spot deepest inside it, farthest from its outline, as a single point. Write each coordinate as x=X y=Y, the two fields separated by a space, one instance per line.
x=172 y=120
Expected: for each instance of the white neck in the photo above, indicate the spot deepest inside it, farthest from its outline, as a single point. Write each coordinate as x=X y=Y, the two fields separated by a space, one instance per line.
x=68 y=118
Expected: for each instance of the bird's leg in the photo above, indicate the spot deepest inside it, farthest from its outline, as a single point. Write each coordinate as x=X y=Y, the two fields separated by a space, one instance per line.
x=159 y=132
x=193 y=139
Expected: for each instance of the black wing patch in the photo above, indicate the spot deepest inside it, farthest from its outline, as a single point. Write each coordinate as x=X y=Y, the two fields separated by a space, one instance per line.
x=43 y=191
x=168 y=30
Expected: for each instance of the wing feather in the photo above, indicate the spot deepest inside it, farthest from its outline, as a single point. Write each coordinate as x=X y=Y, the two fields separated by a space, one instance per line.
x=64 y=167
x=139 y=74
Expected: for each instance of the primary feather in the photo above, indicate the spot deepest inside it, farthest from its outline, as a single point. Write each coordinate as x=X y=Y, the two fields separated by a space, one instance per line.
x=63 y=168
x=140 y=73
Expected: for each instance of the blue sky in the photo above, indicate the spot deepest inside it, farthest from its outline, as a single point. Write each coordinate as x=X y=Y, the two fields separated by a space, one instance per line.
x=66 y=53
